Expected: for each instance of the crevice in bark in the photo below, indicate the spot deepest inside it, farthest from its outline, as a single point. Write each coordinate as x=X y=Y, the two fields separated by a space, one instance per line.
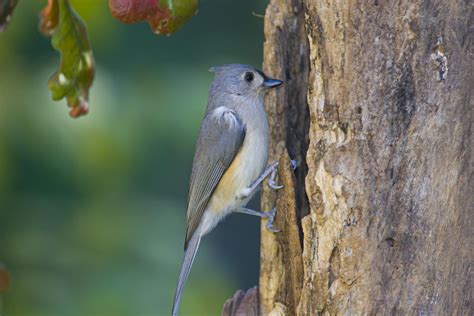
x=334 y=264
x=297 y=128
x=286 y=51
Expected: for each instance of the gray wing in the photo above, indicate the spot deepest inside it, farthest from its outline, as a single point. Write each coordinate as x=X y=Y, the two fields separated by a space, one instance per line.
x=220 y=138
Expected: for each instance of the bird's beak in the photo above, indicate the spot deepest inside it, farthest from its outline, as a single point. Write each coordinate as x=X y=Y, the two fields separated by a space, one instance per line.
x=272 y=83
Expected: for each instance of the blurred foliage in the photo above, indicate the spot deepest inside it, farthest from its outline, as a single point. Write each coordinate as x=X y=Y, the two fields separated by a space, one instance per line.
x=69 y=36
x=92 y=211
x=6 y=10
x=164 y=16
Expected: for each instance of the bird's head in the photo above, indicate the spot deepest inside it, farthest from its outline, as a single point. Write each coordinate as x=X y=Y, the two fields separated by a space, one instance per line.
x=242 y=80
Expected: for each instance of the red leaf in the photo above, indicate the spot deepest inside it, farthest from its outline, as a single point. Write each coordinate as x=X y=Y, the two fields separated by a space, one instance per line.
x=49 y=18
x=164 y=17
x=4 y=279
x=131 y=11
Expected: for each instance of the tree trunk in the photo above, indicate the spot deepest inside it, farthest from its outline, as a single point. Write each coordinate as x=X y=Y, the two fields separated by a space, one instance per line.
x=377 y=111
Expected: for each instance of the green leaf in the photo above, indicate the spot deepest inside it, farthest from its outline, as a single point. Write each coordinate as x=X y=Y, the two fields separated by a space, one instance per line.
x=181 y=12
x=6 y=9
x=164 y=16
x=74 y=77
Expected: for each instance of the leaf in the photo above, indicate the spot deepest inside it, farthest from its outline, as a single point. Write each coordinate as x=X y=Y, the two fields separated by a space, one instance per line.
x=6 y=10
x=49 y=18
x=164 y=16
x=74 y=77
x=4 y=278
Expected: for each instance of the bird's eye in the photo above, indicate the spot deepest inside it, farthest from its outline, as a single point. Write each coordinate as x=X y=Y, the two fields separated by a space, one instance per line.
x=249 y=76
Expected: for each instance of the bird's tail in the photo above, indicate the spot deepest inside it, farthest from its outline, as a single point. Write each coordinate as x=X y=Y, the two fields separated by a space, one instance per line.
x=189 y=255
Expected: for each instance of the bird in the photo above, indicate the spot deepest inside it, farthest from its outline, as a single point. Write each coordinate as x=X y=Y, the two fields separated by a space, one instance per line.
x=230 y=157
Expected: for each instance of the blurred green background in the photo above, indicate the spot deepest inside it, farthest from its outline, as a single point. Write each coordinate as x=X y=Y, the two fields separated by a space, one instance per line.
x=92 y=211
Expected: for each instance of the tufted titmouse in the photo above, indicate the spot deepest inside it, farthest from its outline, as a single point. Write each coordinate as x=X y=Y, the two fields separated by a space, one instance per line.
x=230 y=158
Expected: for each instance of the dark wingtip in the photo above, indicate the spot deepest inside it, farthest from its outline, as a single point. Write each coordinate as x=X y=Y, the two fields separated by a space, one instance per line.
x=186 y=240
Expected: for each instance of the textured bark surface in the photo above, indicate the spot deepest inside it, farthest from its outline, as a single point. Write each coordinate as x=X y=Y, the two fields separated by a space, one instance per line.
x=377 y=110
x=285 y=58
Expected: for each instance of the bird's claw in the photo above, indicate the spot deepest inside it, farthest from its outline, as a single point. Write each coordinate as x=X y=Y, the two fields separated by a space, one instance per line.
x=270 y=215
x=274 y=165
x=271 y=182
x=294 y=163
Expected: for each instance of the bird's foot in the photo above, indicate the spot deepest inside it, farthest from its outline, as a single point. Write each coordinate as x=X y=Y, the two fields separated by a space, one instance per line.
x=270 y=215
x=271 y=181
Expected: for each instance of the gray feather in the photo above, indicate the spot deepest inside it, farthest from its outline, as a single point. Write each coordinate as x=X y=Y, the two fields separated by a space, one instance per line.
x=189 y=256
x=221 y=136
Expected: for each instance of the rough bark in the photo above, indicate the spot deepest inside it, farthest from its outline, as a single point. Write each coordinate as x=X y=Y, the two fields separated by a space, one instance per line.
x=377 y=110
x=286 y=58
